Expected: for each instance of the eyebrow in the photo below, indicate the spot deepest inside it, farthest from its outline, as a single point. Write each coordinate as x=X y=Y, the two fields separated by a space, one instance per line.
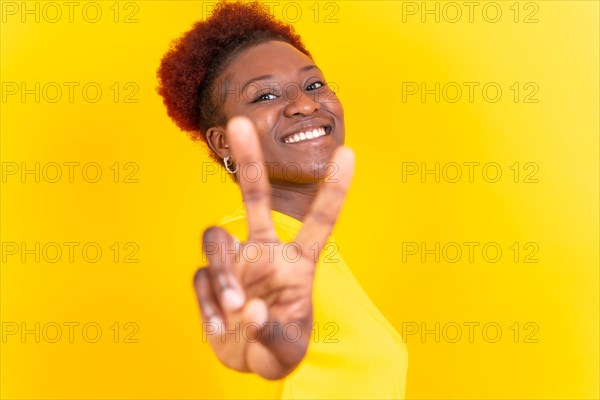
x=265 y=77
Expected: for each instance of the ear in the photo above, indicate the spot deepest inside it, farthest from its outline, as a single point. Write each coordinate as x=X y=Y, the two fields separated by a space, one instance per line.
x=215 y=137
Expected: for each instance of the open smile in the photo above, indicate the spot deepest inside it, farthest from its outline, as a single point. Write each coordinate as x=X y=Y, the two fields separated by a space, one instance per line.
x=310 y=134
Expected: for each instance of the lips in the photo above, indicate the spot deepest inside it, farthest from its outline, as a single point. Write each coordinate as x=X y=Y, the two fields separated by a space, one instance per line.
x=307 y=134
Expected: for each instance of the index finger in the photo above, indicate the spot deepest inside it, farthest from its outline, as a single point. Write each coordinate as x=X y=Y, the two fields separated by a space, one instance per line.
x=252 y=177
x=324 y=210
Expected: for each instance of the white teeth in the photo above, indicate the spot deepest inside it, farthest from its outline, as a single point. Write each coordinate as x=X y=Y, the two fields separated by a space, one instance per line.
x=298 y=137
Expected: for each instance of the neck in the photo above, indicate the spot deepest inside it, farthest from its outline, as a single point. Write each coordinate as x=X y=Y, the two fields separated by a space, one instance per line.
x=294 y=201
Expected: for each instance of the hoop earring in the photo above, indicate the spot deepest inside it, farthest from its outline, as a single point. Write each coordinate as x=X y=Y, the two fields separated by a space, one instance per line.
x=228 y=165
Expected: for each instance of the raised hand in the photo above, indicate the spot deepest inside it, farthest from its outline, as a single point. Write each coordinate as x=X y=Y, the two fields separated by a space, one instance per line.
x=262 y=296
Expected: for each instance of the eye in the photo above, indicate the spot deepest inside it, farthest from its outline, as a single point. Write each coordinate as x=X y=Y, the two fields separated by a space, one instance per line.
x=264 y=97
x=316 y=85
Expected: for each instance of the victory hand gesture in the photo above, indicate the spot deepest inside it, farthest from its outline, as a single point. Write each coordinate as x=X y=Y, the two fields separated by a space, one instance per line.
x=263 y=292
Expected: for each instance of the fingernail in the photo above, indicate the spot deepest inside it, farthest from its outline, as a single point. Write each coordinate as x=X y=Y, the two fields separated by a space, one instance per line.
x=232 y=300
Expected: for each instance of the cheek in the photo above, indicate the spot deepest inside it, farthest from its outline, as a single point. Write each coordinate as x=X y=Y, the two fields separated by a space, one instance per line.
x=333 y=105
x=265 y=123
x=336 y=109
x=339 y=113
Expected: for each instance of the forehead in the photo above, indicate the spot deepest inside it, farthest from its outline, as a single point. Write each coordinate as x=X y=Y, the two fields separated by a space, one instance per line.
x=270 y=58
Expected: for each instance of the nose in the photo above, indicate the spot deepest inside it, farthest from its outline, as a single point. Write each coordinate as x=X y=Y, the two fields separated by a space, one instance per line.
x=300 y=103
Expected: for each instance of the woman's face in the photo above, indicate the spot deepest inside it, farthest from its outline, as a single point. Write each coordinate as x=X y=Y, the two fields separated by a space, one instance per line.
x=299 y=120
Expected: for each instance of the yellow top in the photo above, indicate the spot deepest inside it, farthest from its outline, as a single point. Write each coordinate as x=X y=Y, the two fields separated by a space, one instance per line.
x=355 y=353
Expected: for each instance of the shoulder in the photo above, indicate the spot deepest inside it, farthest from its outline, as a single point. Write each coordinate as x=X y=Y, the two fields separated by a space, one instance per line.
x=236 y=224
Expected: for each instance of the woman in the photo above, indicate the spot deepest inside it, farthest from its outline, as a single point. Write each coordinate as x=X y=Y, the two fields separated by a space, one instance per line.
x=245 y=84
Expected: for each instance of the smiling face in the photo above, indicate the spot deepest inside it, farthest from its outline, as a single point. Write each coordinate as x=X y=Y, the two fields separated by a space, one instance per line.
x=299 y=120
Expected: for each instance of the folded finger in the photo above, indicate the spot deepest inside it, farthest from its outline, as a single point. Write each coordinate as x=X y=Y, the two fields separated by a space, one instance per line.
x=222 y=251
x=210 y=311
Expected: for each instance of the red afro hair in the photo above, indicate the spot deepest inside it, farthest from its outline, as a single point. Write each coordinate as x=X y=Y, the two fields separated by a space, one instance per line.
x=193 y=62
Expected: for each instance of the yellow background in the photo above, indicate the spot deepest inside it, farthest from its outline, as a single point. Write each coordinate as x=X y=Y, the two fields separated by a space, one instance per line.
x=368 y=53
